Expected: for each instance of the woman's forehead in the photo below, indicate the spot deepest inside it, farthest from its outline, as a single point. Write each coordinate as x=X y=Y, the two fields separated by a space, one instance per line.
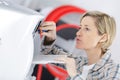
x=88 y=21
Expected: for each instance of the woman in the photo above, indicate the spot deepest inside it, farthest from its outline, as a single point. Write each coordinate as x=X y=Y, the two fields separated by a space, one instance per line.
x=95 y=35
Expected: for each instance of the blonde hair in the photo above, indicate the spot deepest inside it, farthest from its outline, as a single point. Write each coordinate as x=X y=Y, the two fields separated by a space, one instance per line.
x=105 y=25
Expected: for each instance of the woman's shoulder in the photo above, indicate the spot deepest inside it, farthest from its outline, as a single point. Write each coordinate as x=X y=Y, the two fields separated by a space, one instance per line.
x=110 y=63
x=112 y=69
x=107 y=64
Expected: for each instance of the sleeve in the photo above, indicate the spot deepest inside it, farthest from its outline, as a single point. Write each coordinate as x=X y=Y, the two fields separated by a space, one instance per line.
x=113 y=73
x=77 y=77
x=52 y=49
x=46 y=49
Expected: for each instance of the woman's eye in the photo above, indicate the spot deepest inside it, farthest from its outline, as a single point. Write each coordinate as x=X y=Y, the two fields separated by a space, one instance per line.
x=87 y=29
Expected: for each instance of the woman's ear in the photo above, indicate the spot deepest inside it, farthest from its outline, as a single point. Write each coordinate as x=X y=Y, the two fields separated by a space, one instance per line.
x=104 y=38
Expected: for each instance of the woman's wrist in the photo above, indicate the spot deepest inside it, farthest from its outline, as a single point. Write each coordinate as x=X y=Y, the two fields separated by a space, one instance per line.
x=48 y=41
x=76 y=77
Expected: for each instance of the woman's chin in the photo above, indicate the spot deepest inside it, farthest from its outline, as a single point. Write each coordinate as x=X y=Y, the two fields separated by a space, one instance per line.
x=79 y=47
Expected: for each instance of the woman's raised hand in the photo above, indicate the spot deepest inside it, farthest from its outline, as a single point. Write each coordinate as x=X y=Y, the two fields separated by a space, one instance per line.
x=48 y=29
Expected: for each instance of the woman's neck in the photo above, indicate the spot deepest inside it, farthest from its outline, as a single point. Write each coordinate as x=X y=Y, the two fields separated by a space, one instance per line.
x=93 y=55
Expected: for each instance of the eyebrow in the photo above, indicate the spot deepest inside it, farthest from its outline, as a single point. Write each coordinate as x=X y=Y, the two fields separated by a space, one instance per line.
x=84 y=25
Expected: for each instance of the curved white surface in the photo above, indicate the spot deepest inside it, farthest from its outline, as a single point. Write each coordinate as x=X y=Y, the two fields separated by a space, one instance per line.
x=16 y=42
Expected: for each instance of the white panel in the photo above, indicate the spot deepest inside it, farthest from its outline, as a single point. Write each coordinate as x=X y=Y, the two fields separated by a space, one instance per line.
x=16 y=41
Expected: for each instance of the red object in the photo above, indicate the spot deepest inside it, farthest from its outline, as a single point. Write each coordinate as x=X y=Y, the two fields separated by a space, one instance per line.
x=39 y=72
x=63 y=26
x=56 y=71
x=61 y=11
x=55 y=15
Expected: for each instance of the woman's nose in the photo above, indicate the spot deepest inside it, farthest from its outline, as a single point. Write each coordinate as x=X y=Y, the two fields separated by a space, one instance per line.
x=78 y=33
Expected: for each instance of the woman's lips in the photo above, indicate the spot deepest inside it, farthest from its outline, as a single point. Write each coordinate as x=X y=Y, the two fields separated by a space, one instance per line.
x=77 y=39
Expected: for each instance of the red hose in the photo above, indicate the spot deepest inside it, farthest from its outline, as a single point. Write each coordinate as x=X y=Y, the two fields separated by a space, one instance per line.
x=55 y=15
x=63 y=26
x=57 y=71
x=39 y=72
x=62 y=10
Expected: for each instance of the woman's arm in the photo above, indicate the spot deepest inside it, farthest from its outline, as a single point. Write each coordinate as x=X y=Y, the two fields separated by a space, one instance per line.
x=52 y=49
x=48 y=31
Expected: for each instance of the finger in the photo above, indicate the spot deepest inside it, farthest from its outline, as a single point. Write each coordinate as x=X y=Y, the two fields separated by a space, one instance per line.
x=44 y=34
x=47 y=34
x=48 y=23
x=48 y=28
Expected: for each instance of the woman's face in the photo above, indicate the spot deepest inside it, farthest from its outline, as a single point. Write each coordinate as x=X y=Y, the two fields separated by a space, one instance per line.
x=87 y=36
